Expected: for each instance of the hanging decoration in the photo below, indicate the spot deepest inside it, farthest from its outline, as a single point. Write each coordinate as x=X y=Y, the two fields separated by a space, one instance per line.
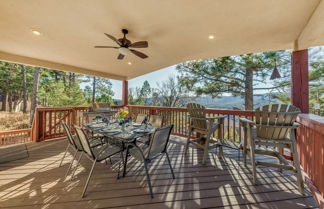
x=275 y=73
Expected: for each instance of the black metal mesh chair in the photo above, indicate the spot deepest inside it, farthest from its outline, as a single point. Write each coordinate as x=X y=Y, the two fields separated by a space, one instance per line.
x=157 y=146
x=96 y=154
x=75 y=145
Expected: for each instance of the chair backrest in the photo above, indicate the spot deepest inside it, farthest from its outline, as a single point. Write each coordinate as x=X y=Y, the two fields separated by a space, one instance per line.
x=272 y=119
x=84 y=141
x=140 y=118
x=68 y=134
x=197 y=111
x=156 y=121
x=159 y=141
x=91 y=116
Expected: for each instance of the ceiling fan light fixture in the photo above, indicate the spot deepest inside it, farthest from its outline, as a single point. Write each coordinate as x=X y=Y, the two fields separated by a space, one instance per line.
x=36 y=32
x=124 y=51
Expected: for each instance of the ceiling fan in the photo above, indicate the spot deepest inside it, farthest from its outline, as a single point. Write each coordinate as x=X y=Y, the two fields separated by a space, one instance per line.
x=125 y=45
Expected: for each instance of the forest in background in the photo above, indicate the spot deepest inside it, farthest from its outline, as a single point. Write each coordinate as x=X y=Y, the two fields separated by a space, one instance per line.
x=25 y=87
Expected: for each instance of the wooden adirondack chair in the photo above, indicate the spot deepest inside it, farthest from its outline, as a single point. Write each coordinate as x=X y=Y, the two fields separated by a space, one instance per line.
x=272 y=131
x=205 y=126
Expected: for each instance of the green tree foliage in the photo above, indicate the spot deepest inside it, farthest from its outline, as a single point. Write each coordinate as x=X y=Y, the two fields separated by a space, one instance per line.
x=60 y=89
x=138 y=95
x=11 y=84
x=56 y=88
x=103 y=91
x=237 y=75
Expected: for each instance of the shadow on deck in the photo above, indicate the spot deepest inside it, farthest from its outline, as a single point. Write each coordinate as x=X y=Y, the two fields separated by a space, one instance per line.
x=37 y=182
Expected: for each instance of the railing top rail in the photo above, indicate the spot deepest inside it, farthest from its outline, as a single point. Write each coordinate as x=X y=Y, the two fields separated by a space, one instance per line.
x=15 y=131
x=71 y=108
x=312 y=121
x=208 y=110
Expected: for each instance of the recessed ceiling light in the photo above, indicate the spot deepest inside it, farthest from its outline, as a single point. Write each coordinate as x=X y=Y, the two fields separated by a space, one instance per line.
x=129 y=63
x=211 y=37
x=35 y=32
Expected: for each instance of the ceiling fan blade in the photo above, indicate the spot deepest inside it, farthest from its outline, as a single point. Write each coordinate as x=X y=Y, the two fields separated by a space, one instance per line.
x=106 y=47
x=120 y=56
x=139 y=44
x=139 y=54
x=113 y=38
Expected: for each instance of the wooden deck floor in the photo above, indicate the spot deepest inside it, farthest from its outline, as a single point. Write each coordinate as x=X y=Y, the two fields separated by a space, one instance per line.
x=37 y=182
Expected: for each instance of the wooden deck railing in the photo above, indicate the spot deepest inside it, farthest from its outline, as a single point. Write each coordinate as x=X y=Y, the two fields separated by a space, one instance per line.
x=47 y=123
x=310 y=139
x=179 y=118
x=15 y=137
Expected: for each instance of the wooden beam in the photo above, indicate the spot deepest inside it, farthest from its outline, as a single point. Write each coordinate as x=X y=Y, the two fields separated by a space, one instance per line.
x=125 y=93
x=299 y=79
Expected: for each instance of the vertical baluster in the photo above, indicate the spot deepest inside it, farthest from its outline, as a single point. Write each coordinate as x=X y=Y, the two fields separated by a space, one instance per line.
x=50 y=123
x=228 y=127
x=44 y=128
x=234 y=128
x=239 y=131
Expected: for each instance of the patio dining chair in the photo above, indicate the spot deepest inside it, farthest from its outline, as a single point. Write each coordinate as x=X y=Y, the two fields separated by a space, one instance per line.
x=206 y=126
x=75 y=145
x=156 y=121
x=272 y=132
x=96 y=154
x=146 y=153
x=140 y=118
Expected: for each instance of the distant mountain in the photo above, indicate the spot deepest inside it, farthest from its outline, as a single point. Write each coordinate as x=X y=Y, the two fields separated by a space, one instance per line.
x=229 y=102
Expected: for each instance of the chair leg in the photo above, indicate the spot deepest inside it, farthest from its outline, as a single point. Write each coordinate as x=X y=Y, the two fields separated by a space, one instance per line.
x=252 y=156
x=148 y=178
x=119 y=164
x=125 y=162
x=76 y=151
x=297 y=167
x=206 y=149
x=220 y=151
x=64 y=154
x=90 y=174
x=281 y=152
x=244 y=153
x=76 y=167
x=170 y=165
x=221 y=137
x=188 y=141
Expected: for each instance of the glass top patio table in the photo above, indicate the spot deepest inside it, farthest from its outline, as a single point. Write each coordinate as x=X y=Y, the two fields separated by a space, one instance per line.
x=114 y=130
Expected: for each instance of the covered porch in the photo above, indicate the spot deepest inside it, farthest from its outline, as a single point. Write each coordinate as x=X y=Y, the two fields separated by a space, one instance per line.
x=177 y=31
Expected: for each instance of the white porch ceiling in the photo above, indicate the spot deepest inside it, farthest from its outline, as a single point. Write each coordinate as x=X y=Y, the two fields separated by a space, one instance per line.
x=177 y=30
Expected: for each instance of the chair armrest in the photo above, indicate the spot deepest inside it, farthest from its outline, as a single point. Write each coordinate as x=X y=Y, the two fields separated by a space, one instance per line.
x=246 y=122
x=197 y=118
x=215 y=117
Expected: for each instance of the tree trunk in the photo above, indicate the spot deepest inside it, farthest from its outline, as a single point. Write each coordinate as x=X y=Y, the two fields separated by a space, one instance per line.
x=94 y=90
x=10 y=102
x=248 y=89
x=34 y=94
x=4 y=101
x=24 y=86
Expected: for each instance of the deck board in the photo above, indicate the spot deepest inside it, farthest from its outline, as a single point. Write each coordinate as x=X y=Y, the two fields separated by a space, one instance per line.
x=37 y=182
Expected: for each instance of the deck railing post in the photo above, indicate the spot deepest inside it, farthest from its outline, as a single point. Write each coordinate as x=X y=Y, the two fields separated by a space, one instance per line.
x=299 y=78
x=125 y=93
